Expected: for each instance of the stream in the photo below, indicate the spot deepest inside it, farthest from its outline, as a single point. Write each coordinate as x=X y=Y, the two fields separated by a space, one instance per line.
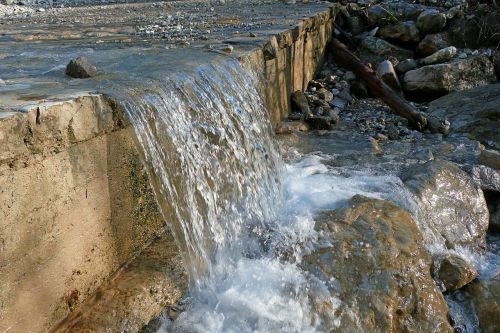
x=243 y=206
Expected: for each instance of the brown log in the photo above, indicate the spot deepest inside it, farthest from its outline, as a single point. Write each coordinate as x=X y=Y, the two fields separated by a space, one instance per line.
x=378 y=87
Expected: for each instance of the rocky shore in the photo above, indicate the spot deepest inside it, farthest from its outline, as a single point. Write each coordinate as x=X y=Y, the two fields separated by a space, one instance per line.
x=442 y=56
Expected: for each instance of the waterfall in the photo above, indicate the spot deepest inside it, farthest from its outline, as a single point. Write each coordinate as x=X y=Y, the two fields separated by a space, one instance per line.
x=214 y=166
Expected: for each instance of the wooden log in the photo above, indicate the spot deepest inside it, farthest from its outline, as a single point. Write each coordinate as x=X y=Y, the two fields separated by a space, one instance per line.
x=342 y=55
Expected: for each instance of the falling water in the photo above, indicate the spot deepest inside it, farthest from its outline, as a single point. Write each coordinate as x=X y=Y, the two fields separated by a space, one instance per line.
x=214 y=166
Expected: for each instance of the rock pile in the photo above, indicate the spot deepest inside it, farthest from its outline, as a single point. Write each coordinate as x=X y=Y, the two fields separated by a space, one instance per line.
x=442 y=56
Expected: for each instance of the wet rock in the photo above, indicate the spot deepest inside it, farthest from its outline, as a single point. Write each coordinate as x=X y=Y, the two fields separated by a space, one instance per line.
x=441 y=56
x=320 y=122
x=404 y=32
x=473 y=112
x=431 y=21
x=486 y=178
x=386 y=72
x=490 y=158
x=287 y=127
x=81 y=68
x=375 y=50
x=460 y=74
x=300 y=103
x=453 y=271
x=406 y=65
x=393 y=132
x=373 y=251
x=451 y=205
x=486 y=295
x=376 y=149
x=433 y=43
x=295 y=116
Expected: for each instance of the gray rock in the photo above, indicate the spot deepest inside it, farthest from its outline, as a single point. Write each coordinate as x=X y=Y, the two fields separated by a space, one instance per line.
x=485 y=296
x=406 y=65
x=472 y=112
x=431 y=21
x=345 y=95
x=460 y=74
x=81 y=68
x=441 y=56
x=453 y=209
x=300 y=103
x=486 y=178
x=378 y=15
x=386 y=72
x=453 y=272
x=372 y=253
x=356 y=25
x=320 y=122
x=349 y=76
x=405 y=32
x=338 y=103
x=393 y=132
x=375 y=50
x=433 y=43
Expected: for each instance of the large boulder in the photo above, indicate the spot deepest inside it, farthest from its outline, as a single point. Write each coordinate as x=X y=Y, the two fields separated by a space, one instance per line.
x=378 y=271
x=375 y=50
x=453 y=211
x=458 y=75
x=486 y=297
x=474 y=112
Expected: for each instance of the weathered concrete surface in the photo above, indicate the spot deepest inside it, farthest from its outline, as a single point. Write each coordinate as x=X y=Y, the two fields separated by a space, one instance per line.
x=75 y=203
x=122 y=305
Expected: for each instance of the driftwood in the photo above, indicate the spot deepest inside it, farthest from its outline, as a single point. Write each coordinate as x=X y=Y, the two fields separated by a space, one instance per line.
x=378 y=87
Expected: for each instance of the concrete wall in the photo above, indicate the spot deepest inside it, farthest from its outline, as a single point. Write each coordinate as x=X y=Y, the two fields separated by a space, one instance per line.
x=290 y=60
x=75 y=203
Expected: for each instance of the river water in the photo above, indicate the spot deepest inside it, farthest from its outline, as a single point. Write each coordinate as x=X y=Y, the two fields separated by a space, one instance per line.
x=242 y=206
